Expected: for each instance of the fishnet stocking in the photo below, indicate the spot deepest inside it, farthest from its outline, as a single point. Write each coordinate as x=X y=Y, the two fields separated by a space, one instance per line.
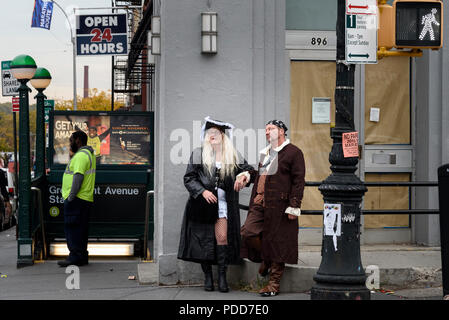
x=221 y=231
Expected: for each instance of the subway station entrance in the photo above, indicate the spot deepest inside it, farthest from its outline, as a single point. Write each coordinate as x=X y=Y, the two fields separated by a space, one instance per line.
x=122 y=219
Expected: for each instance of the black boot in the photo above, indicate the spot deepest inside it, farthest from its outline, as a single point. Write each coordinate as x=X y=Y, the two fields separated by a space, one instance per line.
x=208 y=279
x=222 y=261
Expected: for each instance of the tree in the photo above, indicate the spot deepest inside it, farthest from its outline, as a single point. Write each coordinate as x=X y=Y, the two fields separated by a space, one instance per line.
x=97 y=101
x=7 y=128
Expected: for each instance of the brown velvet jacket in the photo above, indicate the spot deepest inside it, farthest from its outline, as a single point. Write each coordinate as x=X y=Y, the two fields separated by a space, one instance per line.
x=284 y=187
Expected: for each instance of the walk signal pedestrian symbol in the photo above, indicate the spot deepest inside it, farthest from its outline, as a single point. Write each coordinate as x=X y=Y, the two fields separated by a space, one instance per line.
x=418 y=24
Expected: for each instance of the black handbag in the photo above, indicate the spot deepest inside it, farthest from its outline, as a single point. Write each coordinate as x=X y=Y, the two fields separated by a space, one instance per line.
x=199 y=210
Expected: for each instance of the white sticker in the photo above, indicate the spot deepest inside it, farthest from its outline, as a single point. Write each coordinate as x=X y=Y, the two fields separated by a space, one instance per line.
x=374 y=114
x=321 y=110
x=332 y=221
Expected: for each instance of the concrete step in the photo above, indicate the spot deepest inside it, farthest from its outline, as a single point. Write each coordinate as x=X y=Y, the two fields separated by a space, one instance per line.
x=400 y=266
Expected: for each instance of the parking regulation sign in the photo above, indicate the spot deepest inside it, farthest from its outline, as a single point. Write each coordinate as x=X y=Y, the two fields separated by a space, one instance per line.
x=361 y=31
x=103 y=34
x=10 y=85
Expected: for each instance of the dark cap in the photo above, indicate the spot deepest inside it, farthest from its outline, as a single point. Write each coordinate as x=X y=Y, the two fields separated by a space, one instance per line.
x=279 y=124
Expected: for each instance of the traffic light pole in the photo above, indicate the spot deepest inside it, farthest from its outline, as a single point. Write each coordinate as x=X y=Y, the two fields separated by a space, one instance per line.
x=341 y=275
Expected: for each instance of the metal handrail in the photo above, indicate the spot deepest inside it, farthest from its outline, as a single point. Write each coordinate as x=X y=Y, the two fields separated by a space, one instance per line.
x=41 y=217
x=377 y=184
x=386 y=184
x=147 y=220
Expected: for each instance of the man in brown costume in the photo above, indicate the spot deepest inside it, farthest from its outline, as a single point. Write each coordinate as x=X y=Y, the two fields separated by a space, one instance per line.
x=270 y=232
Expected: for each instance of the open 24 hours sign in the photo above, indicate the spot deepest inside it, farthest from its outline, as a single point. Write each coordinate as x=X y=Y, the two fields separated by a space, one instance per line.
x=102 y=34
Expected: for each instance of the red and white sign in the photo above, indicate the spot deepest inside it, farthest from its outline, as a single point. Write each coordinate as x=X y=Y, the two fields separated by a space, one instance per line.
x=361 y=6
x=350 y=144
x=15 y=104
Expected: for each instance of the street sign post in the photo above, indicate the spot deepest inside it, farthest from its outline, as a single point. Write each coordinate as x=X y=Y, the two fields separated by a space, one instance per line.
x=48 y=106
x=10 y=85
x=361 y=31
x=105 y=34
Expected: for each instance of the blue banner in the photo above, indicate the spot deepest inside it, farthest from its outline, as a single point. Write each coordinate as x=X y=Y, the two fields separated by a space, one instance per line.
x=43 y=10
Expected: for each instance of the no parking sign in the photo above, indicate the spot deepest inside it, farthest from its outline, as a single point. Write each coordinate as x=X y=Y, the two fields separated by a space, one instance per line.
x=104 y=34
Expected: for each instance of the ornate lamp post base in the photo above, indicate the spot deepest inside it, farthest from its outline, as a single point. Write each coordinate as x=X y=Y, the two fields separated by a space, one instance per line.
x=340 y=292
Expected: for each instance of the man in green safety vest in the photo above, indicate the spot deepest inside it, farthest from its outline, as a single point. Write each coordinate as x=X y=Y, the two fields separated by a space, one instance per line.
x=78 y=192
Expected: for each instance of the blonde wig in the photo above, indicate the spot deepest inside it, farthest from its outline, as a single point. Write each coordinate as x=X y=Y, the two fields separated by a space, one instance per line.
x=229 y=157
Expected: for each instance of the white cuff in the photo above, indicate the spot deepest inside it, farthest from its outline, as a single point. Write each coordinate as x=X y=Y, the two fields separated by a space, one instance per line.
x=293 y=211
x=246 y=174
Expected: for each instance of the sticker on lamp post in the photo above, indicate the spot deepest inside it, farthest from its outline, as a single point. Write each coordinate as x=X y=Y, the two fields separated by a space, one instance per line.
x=332 y=221
x=350 y=142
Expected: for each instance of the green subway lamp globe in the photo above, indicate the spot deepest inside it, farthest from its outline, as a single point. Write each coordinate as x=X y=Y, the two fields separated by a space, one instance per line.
x=41 y=79
x=23 y=67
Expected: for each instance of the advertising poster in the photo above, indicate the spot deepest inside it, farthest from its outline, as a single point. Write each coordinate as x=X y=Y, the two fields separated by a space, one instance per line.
x=116 y=139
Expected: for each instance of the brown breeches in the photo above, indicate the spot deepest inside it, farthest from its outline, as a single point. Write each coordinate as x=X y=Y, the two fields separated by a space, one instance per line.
x=251 y=233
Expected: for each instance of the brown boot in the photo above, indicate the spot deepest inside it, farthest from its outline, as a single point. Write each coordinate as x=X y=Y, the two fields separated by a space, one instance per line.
x=273 y=286
x=264 y=268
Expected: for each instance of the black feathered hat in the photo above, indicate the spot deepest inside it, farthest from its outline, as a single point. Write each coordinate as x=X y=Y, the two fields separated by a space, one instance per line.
x=220 y=125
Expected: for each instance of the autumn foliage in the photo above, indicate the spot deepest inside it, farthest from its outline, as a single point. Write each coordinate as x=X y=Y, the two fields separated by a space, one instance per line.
x=97 y=101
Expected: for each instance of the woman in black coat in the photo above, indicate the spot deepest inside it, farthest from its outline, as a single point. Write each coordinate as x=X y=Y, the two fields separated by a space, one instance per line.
x=213 y=236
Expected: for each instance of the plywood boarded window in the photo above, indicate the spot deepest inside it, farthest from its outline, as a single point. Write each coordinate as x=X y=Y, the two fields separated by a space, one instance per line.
x=384 y=198
x=387 y=87
x=311 y=79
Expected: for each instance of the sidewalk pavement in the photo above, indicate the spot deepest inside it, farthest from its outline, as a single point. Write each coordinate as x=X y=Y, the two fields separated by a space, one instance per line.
x=110 y=279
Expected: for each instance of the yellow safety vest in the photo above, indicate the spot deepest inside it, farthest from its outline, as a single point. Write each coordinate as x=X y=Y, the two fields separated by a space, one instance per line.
x=82 y=162
x=95 y=143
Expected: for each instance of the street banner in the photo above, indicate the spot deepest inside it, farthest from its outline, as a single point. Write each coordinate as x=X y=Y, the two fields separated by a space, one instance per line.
x=105 y=34
x=10 y=85
x=42 y=13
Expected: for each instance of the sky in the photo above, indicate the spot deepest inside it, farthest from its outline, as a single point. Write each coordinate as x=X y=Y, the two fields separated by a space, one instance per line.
x=52 y=49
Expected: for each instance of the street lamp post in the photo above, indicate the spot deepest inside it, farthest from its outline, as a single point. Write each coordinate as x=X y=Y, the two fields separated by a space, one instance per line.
x=40 y=82
x=23 y=68
x=341 y=275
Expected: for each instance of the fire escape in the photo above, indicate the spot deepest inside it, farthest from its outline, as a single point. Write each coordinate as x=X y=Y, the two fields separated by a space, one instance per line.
x=132 y=73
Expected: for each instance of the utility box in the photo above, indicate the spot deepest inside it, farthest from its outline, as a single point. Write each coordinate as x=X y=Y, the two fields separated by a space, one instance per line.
x=443 y=193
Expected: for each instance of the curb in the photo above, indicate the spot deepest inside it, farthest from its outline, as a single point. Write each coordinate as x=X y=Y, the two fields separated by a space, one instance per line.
x=296 y=278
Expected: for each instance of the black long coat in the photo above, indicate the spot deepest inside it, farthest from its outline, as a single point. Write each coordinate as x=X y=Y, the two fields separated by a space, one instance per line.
x=197 y=242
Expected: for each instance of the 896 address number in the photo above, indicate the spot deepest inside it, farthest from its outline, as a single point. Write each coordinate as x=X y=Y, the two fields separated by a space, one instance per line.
x=318 y=41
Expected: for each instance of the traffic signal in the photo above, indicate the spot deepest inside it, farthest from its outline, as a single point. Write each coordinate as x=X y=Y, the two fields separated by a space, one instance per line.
x=411 y=24
x=418 y=24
